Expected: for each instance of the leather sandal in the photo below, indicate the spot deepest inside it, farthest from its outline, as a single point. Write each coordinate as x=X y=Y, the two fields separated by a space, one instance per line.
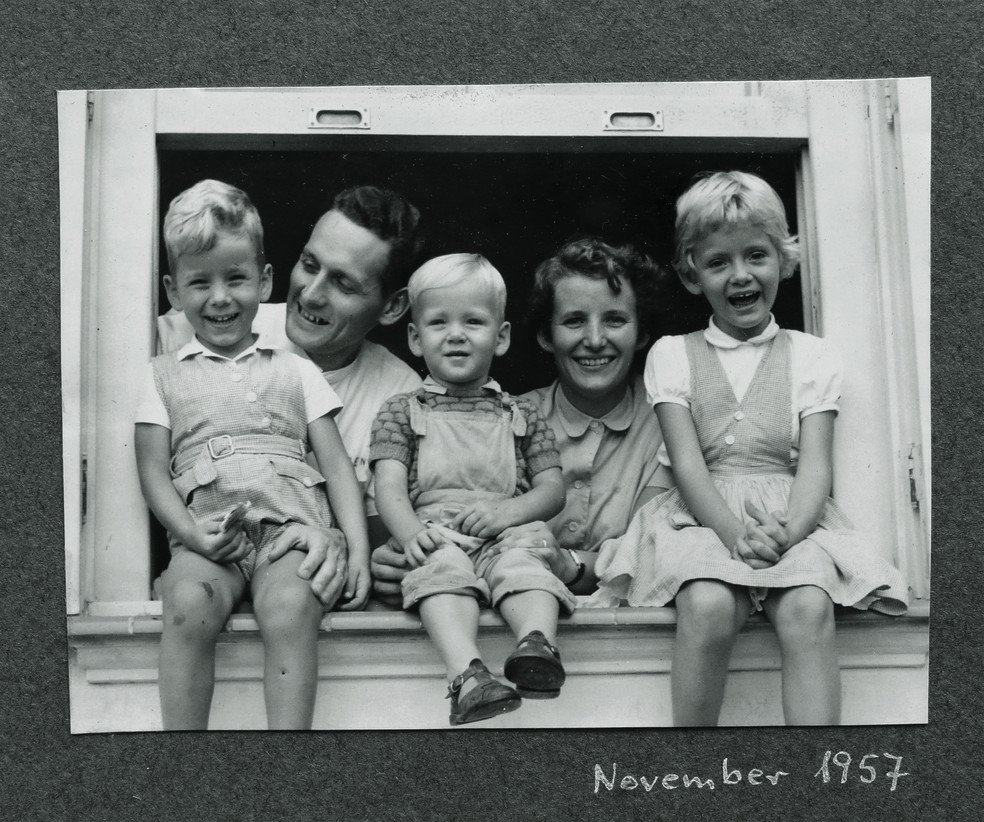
x=486 y=699
x=535 y=668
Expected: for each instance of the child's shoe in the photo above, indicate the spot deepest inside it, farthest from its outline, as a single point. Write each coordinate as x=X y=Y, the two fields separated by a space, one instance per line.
x=535 y=668
x=486 y=699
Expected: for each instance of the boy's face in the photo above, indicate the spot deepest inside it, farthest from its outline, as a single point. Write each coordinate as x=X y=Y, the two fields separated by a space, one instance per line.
x=738 y=269
x=457 y=331
x=336 y=291
x=219 y=291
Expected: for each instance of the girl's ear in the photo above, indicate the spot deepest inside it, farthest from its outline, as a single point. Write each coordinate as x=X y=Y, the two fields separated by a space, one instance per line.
x=690 y=284
x=172 y=292
x=502 y=339
x=544 y=341
x=395 y=307
x=266 y=282
x=413 y=340
x=643 y=340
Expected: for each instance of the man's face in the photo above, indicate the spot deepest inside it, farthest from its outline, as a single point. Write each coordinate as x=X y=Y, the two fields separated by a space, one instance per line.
x=336 y=293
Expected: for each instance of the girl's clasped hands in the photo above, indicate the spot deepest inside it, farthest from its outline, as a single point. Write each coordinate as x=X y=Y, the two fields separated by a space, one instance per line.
x=765 y=539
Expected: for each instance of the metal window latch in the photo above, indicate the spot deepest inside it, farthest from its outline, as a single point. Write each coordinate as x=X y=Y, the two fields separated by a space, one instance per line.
x=85 y=488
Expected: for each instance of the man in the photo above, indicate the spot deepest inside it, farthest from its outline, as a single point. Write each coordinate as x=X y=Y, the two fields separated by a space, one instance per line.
x=350 y=277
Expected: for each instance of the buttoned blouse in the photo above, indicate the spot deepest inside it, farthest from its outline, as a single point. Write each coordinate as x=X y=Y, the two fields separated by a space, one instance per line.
x=606 y=463
x=815 y=372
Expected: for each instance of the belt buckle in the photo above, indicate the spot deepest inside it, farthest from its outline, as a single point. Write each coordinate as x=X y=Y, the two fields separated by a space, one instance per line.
x=211 y=447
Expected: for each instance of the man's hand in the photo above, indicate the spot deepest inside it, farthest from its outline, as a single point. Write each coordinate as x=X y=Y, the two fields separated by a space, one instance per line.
x=326 y=563
x=389 y=566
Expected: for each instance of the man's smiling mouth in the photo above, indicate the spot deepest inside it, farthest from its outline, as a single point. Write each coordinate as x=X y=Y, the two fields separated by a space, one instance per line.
x=310 y=317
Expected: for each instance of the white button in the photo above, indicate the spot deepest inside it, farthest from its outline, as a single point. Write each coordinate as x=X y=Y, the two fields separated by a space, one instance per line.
x=578 y=484
x=572 y=526
x=266 y=422
x=236 y=377
x=308 y=481
x=739 y=415
x=730 y=439
x=251 y=396
x=595 y=425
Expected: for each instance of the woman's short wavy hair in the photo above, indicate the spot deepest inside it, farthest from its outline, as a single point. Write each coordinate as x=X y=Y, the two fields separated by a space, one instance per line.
x=730 y=198
x=593 y=258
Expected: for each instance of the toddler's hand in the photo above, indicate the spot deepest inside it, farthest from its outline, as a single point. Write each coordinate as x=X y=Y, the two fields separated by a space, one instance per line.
x=218 y=544
x=481 y=519
x=424 y=542
x=356 y=589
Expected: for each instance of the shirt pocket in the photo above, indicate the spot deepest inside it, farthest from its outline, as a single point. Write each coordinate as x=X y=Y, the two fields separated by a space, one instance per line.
x=296 y=471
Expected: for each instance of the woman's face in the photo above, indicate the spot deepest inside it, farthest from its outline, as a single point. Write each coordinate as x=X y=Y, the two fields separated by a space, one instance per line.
x=594 y=334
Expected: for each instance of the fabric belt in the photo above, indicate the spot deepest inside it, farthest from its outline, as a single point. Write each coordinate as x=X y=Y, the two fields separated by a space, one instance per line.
x=223 y=446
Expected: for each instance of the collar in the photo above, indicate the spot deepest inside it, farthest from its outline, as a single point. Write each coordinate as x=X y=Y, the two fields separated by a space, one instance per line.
x=716 y=337
x=576 y=422
x=434 y=387
x=195 y=347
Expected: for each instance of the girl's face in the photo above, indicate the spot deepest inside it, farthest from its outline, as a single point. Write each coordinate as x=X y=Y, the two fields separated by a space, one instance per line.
x=737 y=268
x=594 y=334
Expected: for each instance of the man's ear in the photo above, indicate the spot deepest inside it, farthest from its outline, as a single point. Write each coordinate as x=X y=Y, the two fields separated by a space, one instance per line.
x=266 y=283
x=395 y=307
x=172 y=292
x=413 y=340
x=544 y=342
x=503 y=338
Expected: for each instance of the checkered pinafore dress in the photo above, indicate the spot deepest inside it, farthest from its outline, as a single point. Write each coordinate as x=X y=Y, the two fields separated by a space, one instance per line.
x=746 y=446
x=239 y=432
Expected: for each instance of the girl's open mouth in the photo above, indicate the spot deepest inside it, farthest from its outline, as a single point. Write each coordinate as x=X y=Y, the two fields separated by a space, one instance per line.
x=743 y=299
x=593 y=362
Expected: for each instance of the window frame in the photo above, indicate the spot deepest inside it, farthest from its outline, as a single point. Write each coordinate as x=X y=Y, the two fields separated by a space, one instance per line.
x=109 y=193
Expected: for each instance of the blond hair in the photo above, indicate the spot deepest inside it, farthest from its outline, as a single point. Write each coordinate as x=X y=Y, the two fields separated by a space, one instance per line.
x=198 y=214
x=727 y=199
x=452 y=269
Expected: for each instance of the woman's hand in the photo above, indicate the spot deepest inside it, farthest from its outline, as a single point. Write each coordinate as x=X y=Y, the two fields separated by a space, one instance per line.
x=537 y=538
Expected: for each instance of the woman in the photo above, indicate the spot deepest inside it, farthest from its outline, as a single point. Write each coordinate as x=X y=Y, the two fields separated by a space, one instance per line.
x=590 y=305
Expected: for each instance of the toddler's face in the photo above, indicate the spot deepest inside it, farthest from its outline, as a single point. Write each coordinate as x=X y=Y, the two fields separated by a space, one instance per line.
x=219 y=291
x=457 y=332
x=737 y=268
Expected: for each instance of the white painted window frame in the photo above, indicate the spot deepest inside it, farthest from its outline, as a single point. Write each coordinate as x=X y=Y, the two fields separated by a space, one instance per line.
x=863 y=202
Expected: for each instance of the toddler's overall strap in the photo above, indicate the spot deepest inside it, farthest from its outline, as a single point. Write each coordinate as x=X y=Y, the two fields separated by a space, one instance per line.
x=518 y=421
x=418 y=415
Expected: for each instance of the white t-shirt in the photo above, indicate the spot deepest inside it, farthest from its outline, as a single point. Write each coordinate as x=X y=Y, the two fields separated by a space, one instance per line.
x=363 y=386
x=815 y=372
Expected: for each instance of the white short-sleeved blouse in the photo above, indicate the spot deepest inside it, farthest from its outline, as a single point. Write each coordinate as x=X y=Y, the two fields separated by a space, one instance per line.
x=815 y=372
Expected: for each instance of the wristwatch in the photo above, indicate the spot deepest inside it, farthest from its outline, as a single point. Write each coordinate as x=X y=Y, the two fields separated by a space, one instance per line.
x=580 y=568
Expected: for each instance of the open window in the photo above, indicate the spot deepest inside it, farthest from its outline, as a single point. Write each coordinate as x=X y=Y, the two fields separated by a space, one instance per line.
x=512 y=172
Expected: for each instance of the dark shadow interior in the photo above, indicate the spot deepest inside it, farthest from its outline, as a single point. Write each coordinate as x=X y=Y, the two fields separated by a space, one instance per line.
x=514 y=206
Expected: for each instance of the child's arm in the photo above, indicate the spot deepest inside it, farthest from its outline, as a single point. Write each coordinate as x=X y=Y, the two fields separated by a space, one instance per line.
x=345 y=497
x=697 y=489
x=814 y=475
x=393 y=503
x=153 y=450
x=489 y=519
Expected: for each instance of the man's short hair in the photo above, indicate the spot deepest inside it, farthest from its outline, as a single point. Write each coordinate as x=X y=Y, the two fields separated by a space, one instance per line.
x=392 y=218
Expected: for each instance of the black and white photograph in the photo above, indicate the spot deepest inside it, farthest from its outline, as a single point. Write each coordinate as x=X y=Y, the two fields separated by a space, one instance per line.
x=496 y=407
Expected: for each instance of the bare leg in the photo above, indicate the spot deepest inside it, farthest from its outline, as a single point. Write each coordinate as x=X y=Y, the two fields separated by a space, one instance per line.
x=527 y=611
x=709 y=616
x=811 y=687
x=288 y=614
x=451 y=621
x=198 y=596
